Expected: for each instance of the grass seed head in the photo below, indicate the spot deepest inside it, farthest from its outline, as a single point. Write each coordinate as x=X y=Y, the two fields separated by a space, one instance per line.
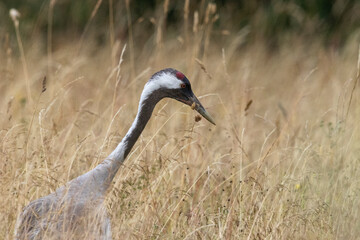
x=197 y=118
x=193 y=106
x=14 y=15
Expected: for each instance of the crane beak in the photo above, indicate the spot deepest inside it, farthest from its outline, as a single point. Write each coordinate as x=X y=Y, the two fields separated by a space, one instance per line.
x=196 y=105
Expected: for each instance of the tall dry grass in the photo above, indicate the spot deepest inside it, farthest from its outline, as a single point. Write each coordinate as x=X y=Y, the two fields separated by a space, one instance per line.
x=282 y=162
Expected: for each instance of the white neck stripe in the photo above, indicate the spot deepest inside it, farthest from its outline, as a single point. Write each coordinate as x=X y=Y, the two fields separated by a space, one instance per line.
x=164 y=80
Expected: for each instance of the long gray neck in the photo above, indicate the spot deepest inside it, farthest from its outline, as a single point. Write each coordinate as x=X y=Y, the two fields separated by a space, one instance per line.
x=144 y=113
x=146 y=107
x=103 y=174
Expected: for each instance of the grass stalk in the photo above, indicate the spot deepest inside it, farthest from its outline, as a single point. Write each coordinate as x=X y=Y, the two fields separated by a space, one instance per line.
x=15 y=15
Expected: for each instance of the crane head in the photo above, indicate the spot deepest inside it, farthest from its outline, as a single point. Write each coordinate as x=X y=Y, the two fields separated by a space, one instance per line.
x=174 y=84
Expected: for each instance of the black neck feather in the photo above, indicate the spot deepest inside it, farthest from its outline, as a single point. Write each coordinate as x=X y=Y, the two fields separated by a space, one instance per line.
x=146 y=108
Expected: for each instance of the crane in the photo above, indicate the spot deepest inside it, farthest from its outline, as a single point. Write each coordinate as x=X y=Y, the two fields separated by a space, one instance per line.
x=76 y=210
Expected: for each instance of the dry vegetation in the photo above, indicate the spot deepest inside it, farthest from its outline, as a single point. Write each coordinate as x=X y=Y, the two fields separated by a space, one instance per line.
x=282 y=162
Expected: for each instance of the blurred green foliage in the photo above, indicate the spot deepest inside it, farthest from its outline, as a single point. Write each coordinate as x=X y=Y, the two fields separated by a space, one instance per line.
x=333 y=20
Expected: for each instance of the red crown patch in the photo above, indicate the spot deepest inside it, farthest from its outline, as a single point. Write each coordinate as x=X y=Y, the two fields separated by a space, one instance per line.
x=180 y=75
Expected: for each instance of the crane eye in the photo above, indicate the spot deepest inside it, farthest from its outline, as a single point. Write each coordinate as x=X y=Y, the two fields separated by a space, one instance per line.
x=183 y=85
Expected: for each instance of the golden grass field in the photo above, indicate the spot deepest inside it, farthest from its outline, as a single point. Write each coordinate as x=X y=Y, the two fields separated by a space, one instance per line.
x=281 y=163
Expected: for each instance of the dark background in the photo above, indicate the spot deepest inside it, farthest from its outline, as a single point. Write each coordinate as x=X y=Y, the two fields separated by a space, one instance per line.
x=334 y=21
